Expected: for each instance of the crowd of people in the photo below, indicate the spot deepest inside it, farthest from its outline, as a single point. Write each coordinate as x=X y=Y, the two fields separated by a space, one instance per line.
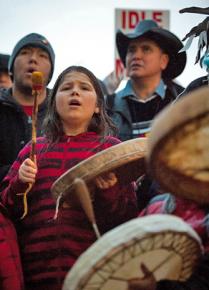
x=78 y=118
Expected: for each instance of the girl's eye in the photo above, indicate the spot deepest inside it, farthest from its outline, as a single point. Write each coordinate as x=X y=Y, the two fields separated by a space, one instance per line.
x=65 y=88
x=85 y=88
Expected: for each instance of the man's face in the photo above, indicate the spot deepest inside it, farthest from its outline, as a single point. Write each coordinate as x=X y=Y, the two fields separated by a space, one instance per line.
x=28 y=60
x=5 y=80
x=145 y=59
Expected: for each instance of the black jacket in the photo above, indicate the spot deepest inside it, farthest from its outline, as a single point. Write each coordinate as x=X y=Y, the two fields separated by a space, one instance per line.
x=15 y=129
x=195 y=84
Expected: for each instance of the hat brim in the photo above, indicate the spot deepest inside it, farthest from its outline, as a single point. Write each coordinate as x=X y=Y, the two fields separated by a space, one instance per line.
x=166 y=40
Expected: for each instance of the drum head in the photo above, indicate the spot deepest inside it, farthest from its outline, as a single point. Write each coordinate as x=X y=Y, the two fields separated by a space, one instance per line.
x=126 y=160
x=178 y=145
x=167 y=245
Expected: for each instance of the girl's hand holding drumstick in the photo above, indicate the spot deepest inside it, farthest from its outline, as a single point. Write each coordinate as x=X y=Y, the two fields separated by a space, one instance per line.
x=27 y=171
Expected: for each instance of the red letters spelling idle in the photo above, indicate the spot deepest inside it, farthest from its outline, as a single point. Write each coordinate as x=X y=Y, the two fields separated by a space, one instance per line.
x=131 y=18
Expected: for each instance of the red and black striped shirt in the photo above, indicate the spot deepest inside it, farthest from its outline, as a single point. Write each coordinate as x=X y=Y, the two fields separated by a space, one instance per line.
x=50 y=247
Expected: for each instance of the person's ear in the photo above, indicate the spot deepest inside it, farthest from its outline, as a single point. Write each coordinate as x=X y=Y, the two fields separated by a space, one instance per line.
x=164 y=61
x=96 y=110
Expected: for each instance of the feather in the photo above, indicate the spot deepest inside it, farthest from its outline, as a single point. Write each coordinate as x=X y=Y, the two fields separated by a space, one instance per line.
x=194 y=9
x=196 y=30
x=201 y=30
x=188 y=43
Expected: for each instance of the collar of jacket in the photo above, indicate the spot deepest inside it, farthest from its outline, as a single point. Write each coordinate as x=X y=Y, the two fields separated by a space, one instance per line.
x=7 y=100
x=128 y=90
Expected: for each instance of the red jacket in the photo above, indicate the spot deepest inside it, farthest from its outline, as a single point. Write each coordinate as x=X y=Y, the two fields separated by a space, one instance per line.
x=11 y=276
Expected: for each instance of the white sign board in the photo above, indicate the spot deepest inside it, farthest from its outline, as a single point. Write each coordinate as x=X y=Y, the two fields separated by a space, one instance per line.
x=126 y=20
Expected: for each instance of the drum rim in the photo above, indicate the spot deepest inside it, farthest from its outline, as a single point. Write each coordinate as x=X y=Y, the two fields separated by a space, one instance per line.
x=138 y=145
x=194 y=105
x=181 y=228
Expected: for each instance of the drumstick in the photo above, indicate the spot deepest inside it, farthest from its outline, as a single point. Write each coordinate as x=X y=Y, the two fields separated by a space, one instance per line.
x=37 y=86
x=83 y=195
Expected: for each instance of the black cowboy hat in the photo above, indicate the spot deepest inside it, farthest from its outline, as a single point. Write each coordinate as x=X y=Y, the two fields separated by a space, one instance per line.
x=166 y=40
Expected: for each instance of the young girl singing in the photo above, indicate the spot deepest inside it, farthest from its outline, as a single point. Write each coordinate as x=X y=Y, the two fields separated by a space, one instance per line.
x=76 y=127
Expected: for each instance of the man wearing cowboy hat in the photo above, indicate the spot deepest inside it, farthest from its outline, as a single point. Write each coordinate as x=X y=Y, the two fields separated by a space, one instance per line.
x=150 y=56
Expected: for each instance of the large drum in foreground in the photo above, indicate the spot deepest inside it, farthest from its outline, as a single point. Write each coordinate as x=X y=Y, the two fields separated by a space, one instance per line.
x=126 y=160
x=178 y=147
x=167 y=245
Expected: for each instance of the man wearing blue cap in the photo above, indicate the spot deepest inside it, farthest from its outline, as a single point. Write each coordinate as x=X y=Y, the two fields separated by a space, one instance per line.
x=32 y=53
